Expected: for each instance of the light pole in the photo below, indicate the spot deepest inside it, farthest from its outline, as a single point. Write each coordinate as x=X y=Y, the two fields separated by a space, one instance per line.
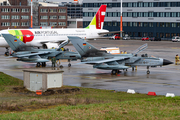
x=31 y=15
x=121 y=25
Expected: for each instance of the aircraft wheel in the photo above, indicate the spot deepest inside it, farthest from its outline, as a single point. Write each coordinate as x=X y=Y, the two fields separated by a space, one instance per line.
x=148 y=72
x=6 y=53
x=38 y=64
x=69 y=65
x=61 y=66
x=113 y=72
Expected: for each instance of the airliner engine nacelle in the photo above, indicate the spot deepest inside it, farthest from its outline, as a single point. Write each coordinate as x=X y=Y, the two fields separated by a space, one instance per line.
x=50 y=45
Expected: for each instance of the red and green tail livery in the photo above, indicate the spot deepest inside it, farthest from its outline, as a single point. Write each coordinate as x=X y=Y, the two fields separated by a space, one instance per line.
x=23 y=35
x=98 y=20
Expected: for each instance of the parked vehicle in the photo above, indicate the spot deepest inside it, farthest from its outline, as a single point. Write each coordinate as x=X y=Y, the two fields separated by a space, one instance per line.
x=175 y=39
x=115 y=36
x=155 y=39
x=145 y=38
x=126 y=37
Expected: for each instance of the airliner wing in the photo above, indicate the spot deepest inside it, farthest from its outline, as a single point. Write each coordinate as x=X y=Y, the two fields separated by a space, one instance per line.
x=112 y=32
x=105 y=61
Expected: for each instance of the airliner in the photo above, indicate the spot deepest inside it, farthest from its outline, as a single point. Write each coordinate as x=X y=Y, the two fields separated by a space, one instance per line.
x=48 y=38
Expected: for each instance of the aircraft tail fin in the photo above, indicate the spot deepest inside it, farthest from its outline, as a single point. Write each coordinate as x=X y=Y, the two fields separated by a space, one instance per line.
x=83 y=47
x=98 y=20
x=13 y=42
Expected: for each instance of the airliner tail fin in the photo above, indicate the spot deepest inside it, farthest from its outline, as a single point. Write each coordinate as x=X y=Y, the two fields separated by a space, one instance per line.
x=98 y=20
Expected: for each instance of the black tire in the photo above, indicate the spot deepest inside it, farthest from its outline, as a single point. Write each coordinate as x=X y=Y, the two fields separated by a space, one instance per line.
x=61 y=66
x=6 y=53
x=38 y=64
x=148 y=72
x=114 y=72
x=69 y=65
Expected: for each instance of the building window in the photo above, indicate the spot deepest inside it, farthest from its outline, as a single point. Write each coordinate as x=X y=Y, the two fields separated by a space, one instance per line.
x=145 y=14
x=24 y=10
x=53 y=23
x=15 y=24
x=162 y=14
x=43 y=17
x=43 y=24
x=161 y=35
x=109 y=14
x=140 y=14
x=178 y=25
x=124 y=14
x=146 y=4
x=168 y=25
x=109 y=23
x=162 y=25
x=173 y=24
x=53 y=17
x=62 y=23
x=150 y=24
x=135 y=4
x=62 y=10
x=114 y=14
x=145 y=24
x=129 y=14
x=15 y=17
x=168 y=14
x=4 y=10
x=140 y=4
x=173 y=14
x=25 y=24
x=151 y=14
x=91 y=14
x=130 y=4
x=52 y=10
x=151 y=4
x=124 y=24
x=135 y=24
x=140 y=24
x=15 y=10
x=62 y=17
x=150 y=34
x=5 y=24
x=114 y=23
x=167 y=35
x=24 y=17
x=135 y=14
x=44 y=10
x=5 y=17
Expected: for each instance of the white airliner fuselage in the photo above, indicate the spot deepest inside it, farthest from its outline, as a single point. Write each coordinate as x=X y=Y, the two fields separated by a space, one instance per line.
x=41 y=36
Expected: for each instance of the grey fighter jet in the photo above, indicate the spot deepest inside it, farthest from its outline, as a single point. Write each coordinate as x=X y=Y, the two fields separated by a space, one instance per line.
x=103 y=60
x=40 y=56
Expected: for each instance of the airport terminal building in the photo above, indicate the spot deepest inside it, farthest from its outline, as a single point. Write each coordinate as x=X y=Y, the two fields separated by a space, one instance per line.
x=153 y=18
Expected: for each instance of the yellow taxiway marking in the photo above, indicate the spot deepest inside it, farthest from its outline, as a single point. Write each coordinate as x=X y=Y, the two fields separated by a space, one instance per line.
x=175 y=48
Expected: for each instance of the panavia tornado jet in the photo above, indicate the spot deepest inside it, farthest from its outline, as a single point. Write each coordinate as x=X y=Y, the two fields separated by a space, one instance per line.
x=40 y=56
x=115 y=62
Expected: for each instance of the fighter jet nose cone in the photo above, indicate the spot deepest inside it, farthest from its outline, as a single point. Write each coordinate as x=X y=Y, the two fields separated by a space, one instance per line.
x=167 y=62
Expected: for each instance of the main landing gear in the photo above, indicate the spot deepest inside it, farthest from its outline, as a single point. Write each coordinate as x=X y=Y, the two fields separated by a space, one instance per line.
x=148 y=72
x=115 y=72
x=69 y=65
x=43 y=64
x=7 y=51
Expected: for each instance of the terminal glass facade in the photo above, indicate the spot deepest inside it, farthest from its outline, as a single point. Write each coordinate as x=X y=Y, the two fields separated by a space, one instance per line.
x=150 y=18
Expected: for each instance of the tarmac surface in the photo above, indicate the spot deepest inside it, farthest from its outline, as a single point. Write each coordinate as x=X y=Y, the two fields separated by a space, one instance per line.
x=162 y=80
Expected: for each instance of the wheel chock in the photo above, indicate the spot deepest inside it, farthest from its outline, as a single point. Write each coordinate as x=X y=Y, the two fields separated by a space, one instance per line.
x=151 y=93
x=170 y=95
x=131 y=91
